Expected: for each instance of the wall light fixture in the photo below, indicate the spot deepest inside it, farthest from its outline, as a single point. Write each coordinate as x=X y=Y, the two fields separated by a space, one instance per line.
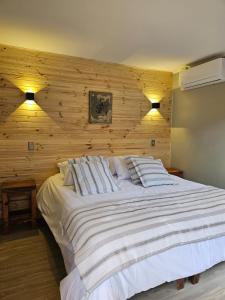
x=156 y=105
x=29 y=98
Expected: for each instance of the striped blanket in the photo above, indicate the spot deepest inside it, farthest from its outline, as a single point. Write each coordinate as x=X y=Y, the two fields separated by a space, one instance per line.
x=110 y=236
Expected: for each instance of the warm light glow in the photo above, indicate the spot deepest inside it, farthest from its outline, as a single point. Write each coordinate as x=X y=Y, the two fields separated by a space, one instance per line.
x=30 y=102
x=30 y=105
x=29 y=90
x=27 y=83
x=27 y=86
x=154 y=111
x=154 y=100
x=154 y=97
x=33 y=114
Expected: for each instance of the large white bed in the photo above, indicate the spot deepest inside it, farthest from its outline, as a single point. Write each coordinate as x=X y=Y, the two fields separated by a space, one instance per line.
x=56 y=200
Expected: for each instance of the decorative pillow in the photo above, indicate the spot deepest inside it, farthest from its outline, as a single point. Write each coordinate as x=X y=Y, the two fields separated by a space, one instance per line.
x=133 y=173
x=93 y=177
x=151 y=172
x=68 y=179
x=122 y=167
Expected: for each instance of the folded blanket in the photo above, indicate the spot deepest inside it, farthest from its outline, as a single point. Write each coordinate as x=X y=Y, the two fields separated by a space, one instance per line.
x=110 y=236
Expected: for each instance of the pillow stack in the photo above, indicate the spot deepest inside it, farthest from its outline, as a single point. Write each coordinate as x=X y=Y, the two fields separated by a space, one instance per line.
x=68 y=179
x=94 y=174
x=147 y=171
x=91 y=175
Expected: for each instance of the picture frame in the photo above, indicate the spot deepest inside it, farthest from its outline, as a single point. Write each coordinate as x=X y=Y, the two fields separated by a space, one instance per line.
x=100 y=107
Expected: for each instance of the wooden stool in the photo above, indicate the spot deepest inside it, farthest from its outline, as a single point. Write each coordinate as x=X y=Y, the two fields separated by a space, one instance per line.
x=10 y=188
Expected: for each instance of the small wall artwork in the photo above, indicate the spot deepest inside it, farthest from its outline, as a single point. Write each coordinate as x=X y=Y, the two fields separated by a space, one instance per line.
x=100 y=107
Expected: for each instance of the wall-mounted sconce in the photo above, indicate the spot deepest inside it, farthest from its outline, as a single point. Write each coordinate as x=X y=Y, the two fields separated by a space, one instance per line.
x=29 y=98
x=156 y=105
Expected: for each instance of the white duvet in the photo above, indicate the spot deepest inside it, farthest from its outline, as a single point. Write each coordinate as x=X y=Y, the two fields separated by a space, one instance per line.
x=55 y=200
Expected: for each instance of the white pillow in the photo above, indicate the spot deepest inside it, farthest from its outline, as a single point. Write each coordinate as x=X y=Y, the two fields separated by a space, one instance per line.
x=62 y=167
x=111 y=164
x=121 y=166
x=68 y=178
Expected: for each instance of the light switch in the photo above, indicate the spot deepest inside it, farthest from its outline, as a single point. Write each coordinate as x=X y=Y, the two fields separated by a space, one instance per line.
x=153 y=143
x=30 y=146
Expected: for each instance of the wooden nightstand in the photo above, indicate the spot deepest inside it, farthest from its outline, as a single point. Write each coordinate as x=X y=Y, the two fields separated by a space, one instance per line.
x=15 y=188
x=175 y=172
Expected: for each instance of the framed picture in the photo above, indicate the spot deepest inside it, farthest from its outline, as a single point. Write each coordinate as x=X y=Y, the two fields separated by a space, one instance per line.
x=100 y=107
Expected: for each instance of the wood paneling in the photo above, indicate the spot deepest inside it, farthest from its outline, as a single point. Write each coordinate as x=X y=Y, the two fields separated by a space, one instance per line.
x=58 y=123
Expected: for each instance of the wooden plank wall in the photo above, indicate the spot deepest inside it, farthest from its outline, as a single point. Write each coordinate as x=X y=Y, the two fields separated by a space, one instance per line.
x=58 y=123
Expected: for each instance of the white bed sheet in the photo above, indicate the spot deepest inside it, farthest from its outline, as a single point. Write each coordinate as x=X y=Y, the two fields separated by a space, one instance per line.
x=54 y=199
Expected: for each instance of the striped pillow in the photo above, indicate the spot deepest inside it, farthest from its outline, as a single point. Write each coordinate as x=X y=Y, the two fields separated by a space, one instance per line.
x=120 y=163
x=68 y=179
x=87 y=158
x=151 y=172
x=133 y=173
x=93 y=177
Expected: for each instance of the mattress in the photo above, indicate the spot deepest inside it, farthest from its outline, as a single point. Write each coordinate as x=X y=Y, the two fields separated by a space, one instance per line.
x=55 y=200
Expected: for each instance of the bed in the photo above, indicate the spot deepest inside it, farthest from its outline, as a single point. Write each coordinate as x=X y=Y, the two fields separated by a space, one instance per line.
x=60 y=205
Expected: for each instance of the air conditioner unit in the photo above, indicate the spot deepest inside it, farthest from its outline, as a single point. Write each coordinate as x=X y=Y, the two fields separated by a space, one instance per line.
x=205 y=74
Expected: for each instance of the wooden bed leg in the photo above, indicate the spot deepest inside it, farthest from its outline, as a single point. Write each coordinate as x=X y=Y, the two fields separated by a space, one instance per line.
x=180 y=283
x=194 y=279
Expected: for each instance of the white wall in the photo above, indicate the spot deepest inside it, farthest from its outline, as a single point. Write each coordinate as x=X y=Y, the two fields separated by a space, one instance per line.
x=198 y=133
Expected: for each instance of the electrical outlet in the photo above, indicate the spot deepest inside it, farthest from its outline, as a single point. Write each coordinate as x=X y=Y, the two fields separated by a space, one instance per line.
x=153 y=143
x=30 y=146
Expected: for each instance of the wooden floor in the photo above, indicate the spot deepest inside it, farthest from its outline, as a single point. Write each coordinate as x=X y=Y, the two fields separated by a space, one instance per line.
x=31 y=268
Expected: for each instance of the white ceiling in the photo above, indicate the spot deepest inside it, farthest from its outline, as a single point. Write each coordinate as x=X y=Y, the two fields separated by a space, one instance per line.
x=154 y=34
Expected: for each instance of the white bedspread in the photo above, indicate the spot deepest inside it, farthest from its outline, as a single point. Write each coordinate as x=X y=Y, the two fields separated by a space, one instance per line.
x=55 y=200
